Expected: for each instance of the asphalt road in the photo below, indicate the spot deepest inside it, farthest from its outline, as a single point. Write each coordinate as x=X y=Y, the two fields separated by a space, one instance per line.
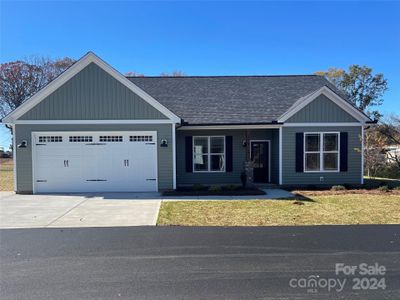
x=197 y=263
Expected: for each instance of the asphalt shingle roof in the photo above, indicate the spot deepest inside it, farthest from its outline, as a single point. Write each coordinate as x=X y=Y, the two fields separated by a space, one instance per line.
x=230 y=99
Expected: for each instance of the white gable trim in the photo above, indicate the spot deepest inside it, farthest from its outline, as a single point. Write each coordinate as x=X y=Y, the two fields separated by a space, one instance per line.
x=90 y=57
x=95 y=122
x=337 y=124
x=304 y=101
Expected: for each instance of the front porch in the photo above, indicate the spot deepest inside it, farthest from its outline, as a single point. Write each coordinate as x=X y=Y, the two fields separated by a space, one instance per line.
x=205 y=161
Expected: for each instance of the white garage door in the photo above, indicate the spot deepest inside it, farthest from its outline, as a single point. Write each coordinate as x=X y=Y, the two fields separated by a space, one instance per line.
x=95 y=161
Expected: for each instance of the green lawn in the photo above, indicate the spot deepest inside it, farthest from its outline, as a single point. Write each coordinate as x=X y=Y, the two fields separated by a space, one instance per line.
x=317 y=210
x=6 y=174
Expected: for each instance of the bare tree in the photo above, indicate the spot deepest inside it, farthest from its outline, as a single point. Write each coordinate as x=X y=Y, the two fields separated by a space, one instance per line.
x=390 y=130
x=133 y=74
x=374 y=155
x=175 y=73
x=381 y=145
x=21 y=79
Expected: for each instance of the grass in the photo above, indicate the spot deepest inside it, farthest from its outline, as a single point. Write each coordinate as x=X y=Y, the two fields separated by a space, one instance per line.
x=316 y=210
x=6 y=174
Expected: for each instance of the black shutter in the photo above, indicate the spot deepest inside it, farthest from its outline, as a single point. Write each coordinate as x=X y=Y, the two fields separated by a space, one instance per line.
x=299 y=152
x=228 y=152
x=189 y=153
x=343 y=151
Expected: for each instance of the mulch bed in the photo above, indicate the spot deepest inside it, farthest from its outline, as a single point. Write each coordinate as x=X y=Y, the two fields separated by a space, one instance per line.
x=189 y=191
x=346 y=192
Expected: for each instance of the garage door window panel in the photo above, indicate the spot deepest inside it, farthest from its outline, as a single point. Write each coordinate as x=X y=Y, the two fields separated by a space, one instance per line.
x=141 y=138
x=81 y=139
x=111 y=138
x=50 y=139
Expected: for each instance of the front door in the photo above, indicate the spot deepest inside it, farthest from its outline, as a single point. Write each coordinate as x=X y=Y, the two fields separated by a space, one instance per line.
x=260 y=158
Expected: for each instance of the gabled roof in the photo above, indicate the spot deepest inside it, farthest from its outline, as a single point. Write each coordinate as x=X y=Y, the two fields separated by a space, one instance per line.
x=212 y=100
x=88 y=58
x=200 y=100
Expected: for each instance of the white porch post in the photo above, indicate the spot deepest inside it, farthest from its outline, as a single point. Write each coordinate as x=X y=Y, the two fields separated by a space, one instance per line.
x=173 y=156
x=280 y=156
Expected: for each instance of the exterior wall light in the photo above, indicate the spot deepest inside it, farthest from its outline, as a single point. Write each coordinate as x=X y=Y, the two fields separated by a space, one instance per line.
x=24 y=144
x=164 y=143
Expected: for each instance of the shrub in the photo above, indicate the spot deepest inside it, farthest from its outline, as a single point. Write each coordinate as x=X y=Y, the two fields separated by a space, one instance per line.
x=198 y=187
x=383 y=188
x=214 y=188
x=338 y=188
x=397 y=188
x=231 y=187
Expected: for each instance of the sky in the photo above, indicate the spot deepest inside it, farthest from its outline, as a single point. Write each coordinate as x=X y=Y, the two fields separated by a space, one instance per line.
x=210 y=38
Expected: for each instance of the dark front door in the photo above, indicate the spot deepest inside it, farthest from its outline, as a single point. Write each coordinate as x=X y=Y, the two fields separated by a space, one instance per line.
x=260 y=159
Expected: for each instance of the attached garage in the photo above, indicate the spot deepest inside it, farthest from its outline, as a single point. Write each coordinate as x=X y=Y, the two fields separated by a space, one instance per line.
x=124 y=161
x=93 y=130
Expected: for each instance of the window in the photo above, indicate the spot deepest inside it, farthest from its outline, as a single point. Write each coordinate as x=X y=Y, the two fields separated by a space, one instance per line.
x=50 y=139
x=111 y=138
x=321 y=152
x=209 y=154
x=78 y=139
x=141 y=138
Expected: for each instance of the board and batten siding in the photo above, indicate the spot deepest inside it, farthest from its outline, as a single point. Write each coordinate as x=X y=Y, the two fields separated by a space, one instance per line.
x=351 y=176
x=238 y=156
x=93 y=94
x=321 y=110
x=24 y=155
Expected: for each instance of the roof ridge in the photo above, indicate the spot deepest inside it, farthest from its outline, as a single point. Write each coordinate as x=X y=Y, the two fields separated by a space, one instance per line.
x=227 y=76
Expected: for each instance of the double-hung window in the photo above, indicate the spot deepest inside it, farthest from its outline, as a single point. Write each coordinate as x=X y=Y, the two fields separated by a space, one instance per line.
x=209 y=154
x=321 y=152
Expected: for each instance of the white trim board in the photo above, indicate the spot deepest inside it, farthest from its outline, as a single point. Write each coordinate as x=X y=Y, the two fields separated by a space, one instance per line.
x=14 y=153
x=338 y=124
x=304 y=101
x=216 y=127
x=280 y=156
x=55 y=122
x=362 y=154
x=173 y=156
x=90 y=57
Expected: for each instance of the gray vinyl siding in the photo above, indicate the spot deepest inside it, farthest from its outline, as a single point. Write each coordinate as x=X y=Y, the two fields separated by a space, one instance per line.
x=321 y=110
x=238 y=156
x=92 y=94
x=291 y=177
x=24 y=155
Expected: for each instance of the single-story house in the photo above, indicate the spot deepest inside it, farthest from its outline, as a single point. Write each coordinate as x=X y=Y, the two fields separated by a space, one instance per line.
x=92 y=129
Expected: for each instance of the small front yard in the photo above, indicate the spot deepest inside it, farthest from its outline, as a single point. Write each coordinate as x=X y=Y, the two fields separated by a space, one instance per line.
x=315 y=209
x=6 y=174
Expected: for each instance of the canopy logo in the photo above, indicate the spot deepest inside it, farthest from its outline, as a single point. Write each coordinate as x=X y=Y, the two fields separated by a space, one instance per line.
x=361 y=277
x=313 y=282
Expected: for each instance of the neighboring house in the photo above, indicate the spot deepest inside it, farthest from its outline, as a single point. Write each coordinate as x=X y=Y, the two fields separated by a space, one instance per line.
x=92 y=129
x=392 y=154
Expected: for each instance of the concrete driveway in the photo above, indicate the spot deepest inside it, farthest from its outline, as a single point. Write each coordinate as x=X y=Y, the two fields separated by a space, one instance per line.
x=87 y=210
